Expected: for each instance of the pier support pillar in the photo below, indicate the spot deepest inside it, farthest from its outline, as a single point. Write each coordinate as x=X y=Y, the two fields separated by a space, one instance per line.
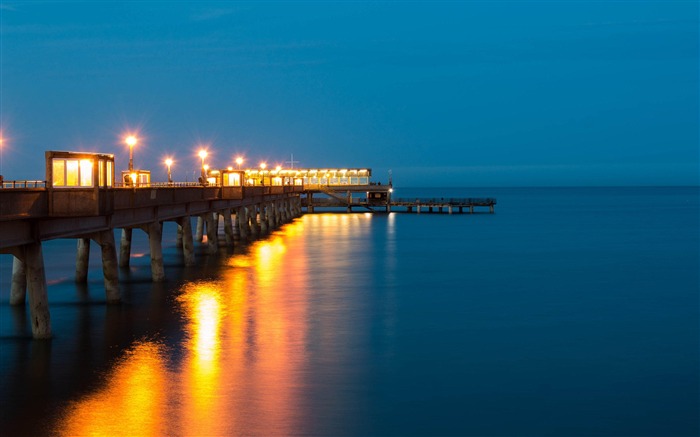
x=82 y=260
x=178 y=240
x=418 y=208
x=38 y=296
x=242 y=219
x=109 y=265
x=491 y=209
x=310 y=202
x=125 y=248
x=199 y=233
x=18 y=290
x=449 y=209
x=155 y=235
x=264 y=226
x=269 y=216
x=212 y=233
x=471 y=209
x=228 y=227
x=185 y=224
x=235 y=225
x=254 y=229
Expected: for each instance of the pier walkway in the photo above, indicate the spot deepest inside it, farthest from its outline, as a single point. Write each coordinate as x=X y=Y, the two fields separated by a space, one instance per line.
x=82 y=199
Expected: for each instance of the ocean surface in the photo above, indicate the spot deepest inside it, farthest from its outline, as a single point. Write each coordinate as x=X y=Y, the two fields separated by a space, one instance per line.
x=568 y=312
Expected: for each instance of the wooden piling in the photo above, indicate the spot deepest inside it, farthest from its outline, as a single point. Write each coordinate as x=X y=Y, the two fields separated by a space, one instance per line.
x=187 y=241
x=109 y=265
x=82 y=260
x=125 y=248
x=154 y=242
x=38 y=296
x=18 y=290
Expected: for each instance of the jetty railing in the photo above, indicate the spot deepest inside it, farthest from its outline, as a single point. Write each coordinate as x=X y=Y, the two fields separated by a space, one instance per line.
x=464 y=201
x=22 y=184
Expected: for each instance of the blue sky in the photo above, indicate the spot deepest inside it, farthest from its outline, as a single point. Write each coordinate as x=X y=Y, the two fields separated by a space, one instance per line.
x=499 y=93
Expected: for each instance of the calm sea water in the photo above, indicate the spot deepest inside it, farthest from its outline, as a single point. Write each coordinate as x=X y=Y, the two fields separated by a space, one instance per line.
x=569 y=312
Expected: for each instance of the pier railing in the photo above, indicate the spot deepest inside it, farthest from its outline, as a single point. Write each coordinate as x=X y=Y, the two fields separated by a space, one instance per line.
x=22 y=184
x=466 y=201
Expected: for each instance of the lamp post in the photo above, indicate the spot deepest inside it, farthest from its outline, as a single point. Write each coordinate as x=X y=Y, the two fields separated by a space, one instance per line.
x=239 y=161
x=169 y=163
x=131 y=142
x=262 y=172
x=203 y=154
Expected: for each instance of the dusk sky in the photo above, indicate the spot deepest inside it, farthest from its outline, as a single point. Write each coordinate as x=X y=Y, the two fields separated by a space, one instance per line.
x=500 y=93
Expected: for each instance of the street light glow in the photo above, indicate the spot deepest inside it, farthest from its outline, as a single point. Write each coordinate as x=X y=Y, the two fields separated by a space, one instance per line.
x=202 y=153
x=263 y=165
x=131 y=141
x=239 y=161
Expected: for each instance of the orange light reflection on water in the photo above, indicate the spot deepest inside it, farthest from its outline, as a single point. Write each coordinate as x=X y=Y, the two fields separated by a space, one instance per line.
x=133 y=401
x=245 y=359
x=200 y=375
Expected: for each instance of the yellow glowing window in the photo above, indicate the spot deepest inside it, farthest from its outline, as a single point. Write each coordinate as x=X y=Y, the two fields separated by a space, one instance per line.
x=233 y=180
x=85 y=173
x=101 y=173
x=59 y=172
x=72 y=168
x=109 y=174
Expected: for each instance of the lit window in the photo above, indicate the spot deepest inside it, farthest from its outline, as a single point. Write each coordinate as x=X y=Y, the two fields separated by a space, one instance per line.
x=85 y=173
x=101 y=173
x=109 y=174
x=72 y=168
x=59 y=172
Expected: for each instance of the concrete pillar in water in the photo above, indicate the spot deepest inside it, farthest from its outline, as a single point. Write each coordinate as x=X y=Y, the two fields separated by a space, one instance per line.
x=187 y=242
x=38 y=297
x=18 y=290
x=212 y=234
x=154 y=242
x=242 y=219
x=254 y=227
x=228 y=228
x=82 y=260
x=178 y=240
x=272 y=216
x=109 y=265
x=199 y=234
x=418 y=208
x=125 y=248
x=264 y=226
x=471 y=209
x=310 y=202
x=449 y=209
x=283 y=211
x=491 y=210
x=235 y=225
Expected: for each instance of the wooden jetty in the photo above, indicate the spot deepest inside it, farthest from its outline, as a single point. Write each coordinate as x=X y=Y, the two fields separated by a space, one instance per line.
x=82 y=199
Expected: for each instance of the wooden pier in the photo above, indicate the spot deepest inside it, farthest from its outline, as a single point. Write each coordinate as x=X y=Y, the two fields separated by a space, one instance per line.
x=81 y=199
x=377 y=198
x=442 y=205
